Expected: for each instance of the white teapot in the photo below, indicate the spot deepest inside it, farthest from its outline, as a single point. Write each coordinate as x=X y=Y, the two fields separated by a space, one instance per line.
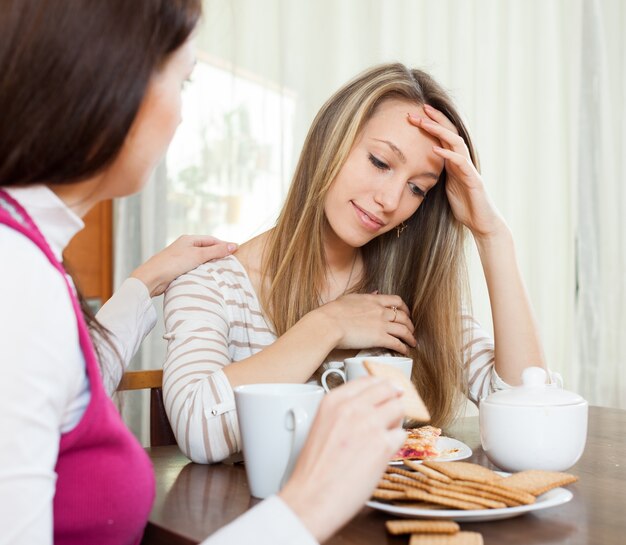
x=533 y=426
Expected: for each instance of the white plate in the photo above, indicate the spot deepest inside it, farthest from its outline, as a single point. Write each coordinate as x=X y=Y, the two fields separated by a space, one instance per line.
x=556 y=496
x=444 y=443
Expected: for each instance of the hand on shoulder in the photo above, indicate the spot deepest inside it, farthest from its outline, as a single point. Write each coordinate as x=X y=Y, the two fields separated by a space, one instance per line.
x=184 y=254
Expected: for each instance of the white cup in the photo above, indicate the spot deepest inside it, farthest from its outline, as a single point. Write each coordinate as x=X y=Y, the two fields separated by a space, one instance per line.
x=354 y=368
x=274 y=421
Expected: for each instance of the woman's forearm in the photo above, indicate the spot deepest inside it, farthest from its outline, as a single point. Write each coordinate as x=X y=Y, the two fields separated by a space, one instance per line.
x=517 y=342
x=294 y=357
x=128 y=316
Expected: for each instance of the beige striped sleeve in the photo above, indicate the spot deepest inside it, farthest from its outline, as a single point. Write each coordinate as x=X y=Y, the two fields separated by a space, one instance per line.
x=198 y=397
x=479 y=360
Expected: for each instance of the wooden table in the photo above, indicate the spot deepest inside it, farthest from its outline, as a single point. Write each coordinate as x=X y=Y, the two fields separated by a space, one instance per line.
x=193 y=500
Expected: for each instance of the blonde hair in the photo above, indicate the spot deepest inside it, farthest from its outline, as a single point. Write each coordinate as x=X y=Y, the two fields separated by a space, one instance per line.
x=425 y=266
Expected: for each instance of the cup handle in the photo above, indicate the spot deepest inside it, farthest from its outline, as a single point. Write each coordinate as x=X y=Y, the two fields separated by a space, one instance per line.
x=328 y=372
x=295 y=419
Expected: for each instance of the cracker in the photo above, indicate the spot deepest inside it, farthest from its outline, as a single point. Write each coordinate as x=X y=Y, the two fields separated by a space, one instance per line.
x=418 y=505
x=406 y=526
x=509 y=502
x=428 y=471
x=407 y=483
x=512 y=493
x=410 y=474
x=422 y=495
x=460 y=538
x=537 y=482
x=414 y=407
x=494 y=491
x=383 y=494
x=464 y=471
x=485 y=503
x=390 y=485
x=441 y=489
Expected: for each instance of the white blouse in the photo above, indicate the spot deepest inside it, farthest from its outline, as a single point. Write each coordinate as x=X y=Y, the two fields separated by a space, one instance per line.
x=43 y=385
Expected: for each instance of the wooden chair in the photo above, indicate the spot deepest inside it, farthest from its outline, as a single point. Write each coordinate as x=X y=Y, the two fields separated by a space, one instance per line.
x=161 y=433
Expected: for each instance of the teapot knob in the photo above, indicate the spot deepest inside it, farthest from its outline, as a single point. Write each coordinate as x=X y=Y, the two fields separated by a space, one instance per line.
x=534 y=376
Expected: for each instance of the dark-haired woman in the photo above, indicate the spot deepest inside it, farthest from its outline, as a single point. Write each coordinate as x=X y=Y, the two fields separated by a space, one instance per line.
x=89 y=100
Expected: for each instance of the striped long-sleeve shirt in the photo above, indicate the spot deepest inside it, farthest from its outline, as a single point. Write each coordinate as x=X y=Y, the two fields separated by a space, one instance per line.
x=212 y=318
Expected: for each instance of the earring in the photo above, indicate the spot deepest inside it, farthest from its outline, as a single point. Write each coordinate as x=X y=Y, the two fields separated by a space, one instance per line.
x=400 y=228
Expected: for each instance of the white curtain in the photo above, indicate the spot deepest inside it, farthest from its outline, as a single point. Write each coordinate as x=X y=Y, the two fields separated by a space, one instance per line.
x=600 y=361
x=541 y=83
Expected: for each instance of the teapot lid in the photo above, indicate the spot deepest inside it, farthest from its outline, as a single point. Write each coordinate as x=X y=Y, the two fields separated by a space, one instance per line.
x=534 y=392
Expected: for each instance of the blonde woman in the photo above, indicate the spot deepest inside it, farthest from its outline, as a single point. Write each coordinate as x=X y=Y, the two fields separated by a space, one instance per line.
x=366 y=256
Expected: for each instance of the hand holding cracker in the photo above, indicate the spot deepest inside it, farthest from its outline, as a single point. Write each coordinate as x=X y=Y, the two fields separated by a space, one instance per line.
x=355 y=433
x=414 y=407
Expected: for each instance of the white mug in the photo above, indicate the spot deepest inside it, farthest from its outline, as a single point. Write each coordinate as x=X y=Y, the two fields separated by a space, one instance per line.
x=274 y=421
x=354 y=368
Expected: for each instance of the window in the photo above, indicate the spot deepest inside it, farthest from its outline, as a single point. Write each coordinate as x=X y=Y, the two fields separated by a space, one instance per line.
x=229 y=164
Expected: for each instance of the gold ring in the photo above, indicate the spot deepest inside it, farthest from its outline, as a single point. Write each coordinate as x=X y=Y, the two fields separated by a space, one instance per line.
x=395 y=313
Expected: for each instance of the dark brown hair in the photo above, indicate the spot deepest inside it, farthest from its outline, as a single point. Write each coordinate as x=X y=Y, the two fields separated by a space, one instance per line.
x=73 y=74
